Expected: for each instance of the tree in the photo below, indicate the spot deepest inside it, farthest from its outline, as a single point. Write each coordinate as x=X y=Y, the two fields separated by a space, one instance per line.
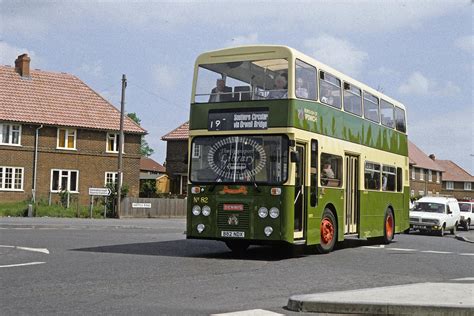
x=145 y=149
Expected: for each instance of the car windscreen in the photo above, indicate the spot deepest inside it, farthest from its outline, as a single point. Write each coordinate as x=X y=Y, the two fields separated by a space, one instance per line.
x=429 y=207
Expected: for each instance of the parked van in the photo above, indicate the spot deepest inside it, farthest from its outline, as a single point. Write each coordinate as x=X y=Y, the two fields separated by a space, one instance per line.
x=435 y=214
x=467 y=214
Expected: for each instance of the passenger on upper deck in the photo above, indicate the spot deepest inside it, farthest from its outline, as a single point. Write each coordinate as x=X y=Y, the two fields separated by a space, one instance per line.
x=301 y=91
x=221 y=93
x=280 y=91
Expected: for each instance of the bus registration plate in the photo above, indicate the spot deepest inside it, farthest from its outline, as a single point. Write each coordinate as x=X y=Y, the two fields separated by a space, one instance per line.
x=232 y=234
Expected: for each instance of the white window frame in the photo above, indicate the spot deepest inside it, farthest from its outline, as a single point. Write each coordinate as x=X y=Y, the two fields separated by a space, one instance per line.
x=421 y=193
x=413 y=173
x=422 y=174
x=467 y=186
x=438 y=177
x=66 y=135
x=430 y=176
x=449 y=185
x=196 y=151
x=10 y=135
x=115 y=173
x=14 y=171
x=68 y=181
x=116 y=143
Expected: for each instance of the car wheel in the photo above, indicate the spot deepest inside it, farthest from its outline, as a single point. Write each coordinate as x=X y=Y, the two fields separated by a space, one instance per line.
x=453 y=230
x=441 y=231
x=328 y=229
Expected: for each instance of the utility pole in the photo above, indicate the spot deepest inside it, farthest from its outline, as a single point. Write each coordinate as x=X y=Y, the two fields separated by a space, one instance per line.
x=121 y=144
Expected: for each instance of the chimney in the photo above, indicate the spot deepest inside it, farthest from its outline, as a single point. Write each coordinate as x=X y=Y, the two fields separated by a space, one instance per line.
x=433 y=157
x=22 y=65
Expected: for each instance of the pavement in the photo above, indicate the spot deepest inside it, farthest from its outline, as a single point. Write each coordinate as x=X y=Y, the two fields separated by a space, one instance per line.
x=453 y=298
x=444 y=298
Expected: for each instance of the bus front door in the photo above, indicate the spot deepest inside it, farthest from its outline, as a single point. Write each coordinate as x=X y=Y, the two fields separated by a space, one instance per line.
x=351 y=215
x=299 y=202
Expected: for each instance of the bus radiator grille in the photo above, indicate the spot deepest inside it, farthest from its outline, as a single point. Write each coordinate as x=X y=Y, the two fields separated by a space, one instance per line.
x=233 y=219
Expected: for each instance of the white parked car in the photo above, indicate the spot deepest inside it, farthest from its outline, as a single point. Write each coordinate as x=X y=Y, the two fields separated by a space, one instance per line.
x=467 y=214
x=435 y=214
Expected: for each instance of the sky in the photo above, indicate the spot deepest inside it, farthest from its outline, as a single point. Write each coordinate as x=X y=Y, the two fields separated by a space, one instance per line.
x=417 y=52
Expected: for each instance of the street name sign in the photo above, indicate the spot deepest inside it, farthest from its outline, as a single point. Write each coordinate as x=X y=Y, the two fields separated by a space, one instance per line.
x=100 y=191
x=141 y=205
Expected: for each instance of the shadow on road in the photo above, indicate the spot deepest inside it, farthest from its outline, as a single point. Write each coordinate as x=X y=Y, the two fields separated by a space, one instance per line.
x=194 y=249
x=217 y=250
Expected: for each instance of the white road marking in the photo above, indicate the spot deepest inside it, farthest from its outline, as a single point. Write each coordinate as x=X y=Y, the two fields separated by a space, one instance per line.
x=250 y=312
x=466 y=254
x=464 y=279
x=42 y=250
x=21 y=264
x=438 y=252
x=402 y=249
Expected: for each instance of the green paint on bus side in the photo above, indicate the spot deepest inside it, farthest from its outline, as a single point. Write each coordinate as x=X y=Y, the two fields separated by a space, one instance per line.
x=314 y=117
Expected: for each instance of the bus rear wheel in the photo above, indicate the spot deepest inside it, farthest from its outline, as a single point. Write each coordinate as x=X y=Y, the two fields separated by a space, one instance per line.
x=238 y=247
x=389 y=227
x=328 y=230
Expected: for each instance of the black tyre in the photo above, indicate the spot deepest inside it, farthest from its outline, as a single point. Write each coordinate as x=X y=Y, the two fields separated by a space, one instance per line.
x=238 y=247
x=441 y=231
x=453 y=230
x=328 y=230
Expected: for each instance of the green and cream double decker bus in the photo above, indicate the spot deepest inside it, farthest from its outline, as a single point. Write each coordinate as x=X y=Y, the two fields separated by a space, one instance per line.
x=284 y=149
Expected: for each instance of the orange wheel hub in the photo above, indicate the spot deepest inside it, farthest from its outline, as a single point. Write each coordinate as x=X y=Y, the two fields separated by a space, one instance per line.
x=389 y=226
x=327 y=231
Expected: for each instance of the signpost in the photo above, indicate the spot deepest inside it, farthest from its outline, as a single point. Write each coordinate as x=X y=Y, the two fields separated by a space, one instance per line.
x=99 y=192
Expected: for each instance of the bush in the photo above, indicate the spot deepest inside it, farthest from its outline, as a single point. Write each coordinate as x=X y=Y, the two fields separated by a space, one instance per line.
x=14 y=208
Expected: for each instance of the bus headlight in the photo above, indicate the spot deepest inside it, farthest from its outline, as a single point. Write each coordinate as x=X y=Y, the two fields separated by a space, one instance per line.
x=268 y=231
x=196 y=210
x=206 y=210
x=262 y=212
x=200 y=228
x=274 y=212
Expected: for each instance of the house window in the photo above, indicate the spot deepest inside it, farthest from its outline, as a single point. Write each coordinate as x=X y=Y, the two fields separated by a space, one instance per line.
x=422 y=174
x=112 y=142
x=111 y=178
x=449 y=185
x=467 y=186
x=412 y=193
x=66 y=138
x=413 y=173
x=10 y=134
x=421 y=193
x=430 y=176
x=11 y=178
x=438 y=176
x=64 y=180
x=196 y=151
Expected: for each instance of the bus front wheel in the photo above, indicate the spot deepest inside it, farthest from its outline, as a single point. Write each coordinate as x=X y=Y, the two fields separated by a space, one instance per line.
x=328 y=231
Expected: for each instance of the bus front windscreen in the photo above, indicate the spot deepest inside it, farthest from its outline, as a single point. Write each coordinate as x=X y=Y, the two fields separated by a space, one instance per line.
x=239 y=159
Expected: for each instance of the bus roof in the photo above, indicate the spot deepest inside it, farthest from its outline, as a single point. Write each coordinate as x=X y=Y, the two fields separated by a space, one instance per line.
x=255 y=52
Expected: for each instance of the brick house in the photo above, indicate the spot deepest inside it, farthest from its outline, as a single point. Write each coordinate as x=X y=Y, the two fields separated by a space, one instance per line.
x=177 y=158
x=456 y=181
x=55 y=124
x=425 y=174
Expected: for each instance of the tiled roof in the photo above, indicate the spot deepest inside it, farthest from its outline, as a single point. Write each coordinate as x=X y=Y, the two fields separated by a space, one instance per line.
x=420 y=159
x=148 y=164
x=454 y=172
x=57 y=99
x=180 y=133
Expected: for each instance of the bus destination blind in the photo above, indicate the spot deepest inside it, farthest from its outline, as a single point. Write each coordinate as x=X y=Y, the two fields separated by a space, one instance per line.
x=237 y=120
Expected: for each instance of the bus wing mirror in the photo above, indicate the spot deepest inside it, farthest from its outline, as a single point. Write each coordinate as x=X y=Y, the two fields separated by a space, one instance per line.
x=294 y=156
